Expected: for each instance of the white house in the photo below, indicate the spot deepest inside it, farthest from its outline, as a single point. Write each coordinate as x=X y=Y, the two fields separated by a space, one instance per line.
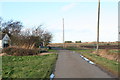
x=4 y=40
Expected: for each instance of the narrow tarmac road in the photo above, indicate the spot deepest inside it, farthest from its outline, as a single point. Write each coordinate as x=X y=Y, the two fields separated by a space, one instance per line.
x=71 y=65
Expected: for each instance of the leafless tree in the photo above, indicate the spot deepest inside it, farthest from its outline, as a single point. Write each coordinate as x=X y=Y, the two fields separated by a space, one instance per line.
x=47 y=37
x=28 y=38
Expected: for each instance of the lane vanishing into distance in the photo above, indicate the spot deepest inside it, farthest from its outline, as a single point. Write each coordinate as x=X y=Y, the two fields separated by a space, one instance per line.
x=71 y=65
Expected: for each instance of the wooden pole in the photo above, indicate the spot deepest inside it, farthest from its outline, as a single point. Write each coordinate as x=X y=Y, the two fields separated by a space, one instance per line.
x=63 y=35
x=98 y=27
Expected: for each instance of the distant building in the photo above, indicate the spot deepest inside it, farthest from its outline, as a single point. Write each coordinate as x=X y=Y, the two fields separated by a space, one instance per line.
x=4 y=40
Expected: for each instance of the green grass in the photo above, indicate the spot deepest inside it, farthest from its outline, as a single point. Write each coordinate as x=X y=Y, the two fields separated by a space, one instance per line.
x=110 y=65
x=52 y=50
x=28 y=66
x=116 y=51
x=84 y=50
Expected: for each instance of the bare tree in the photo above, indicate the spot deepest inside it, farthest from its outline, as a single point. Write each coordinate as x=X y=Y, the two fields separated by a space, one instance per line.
x=47 y=37
x=44 y=36
x=12 y=27
x=28 y=38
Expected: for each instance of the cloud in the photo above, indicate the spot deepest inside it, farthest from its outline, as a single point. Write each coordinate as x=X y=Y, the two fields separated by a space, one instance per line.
x=68 y=7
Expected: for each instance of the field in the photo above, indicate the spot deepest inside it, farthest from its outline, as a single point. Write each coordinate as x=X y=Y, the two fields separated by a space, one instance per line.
x=102 y=45
x=109 y=65
x=42 y=66
x=28 y=66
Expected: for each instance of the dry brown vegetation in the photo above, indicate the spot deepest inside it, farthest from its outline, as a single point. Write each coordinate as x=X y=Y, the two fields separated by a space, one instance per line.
x=109 y=50
x=111 y=54
x=14 y=51
x=102 y=45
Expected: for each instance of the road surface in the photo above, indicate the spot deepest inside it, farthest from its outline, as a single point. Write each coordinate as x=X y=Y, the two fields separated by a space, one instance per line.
x=71 y=65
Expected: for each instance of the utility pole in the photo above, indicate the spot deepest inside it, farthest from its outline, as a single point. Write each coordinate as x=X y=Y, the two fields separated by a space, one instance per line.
x=63 y=35
x=98 y=24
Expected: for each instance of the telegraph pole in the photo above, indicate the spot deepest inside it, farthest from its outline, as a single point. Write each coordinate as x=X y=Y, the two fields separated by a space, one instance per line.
x=98 y=24
x=63 y=35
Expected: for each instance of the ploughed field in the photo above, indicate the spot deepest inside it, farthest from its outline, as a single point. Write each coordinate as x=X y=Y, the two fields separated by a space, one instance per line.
x=102 y=45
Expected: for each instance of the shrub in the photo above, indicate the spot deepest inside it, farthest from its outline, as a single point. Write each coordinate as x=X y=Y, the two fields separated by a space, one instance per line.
x=9 y=50
x=77 y=41
x=108 y=44
x=68 y=42
x=20 y=51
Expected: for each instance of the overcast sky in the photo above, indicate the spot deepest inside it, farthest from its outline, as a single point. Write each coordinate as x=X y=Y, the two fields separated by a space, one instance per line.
x=80 y=18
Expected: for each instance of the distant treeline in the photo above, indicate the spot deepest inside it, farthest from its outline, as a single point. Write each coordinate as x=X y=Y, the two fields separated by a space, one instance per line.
x=73 y=42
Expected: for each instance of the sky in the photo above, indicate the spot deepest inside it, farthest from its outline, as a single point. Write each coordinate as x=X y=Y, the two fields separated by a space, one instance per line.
x=80 y=18
x=119 y=21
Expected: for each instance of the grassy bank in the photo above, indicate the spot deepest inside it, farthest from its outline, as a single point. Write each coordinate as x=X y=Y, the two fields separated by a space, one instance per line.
x=109 y=65
x=52 y=51
x=28 y=66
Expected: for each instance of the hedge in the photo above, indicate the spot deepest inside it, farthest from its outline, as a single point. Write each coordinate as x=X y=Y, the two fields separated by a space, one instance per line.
x=20 y=51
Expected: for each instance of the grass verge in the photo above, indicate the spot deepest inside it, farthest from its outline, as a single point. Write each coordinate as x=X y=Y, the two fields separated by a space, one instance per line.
x=109 y=65
x=52 y=50
x=28 y=66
